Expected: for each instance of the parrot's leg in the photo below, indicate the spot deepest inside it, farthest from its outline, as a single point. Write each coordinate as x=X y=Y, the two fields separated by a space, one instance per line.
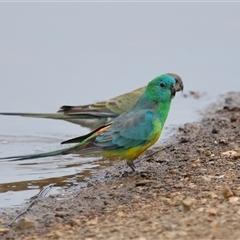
x=132 y=166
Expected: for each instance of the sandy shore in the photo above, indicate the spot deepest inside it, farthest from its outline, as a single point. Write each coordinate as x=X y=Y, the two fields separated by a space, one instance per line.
x=189 y=189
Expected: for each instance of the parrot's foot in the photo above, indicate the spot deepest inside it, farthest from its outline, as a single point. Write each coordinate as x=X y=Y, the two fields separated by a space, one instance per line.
x=132 y=166
x=132 y=173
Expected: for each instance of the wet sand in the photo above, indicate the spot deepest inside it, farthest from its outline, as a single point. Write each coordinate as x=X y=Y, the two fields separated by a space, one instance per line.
x=188 y=189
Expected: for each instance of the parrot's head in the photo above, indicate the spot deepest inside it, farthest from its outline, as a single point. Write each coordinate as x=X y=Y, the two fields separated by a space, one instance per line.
x=178 y=82
x=161 y=89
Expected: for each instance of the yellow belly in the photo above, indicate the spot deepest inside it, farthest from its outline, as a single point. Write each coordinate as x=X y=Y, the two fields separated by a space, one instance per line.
x=132 y=153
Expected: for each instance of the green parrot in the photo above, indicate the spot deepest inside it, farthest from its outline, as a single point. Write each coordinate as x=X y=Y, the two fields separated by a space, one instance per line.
x=95 y=115
x=129 y=134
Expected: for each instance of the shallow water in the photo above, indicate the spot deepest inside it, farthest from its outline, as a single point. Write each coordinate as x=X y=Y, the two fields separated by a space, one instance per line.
x=55 y=54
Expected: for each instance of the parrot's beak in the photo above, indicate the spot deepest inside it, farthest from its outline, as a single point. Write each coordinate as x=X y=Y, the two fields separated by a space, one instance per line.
x=181 y=86
x=173 y=90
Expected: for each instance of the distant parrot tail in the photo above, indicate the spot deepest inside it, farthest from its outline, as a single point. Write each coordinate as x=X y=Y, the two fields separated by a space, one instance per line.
x=37 y=155
x=91 y=119
x=59 y=116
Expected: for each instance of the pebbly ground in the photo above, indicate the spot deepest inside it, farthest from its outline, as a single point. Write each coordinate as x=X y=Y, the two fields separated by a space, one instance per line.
x=189 y=189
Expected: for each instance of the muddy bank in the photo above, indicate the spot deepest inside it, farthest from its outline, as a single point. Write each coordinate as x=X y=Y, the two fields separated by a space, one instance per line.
x=189 y=189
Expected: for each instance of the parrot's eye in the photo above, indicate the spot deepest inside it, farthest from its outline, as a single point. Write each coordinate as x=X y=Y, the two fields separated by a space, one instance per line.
x=162 y=85
x=176 y=80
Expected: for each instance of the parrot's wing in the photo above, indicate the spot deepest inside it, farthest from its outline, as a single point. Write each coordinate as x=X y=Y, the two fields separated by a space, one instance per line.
x=128 y=130
x=111 y=107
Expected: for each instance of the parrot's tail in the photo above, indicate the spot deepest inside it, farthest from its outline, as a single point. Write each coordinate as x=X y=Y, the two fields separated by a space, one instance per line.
x=59 y=116
x=37 y=155
x=84 y=145
x=89 y=119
